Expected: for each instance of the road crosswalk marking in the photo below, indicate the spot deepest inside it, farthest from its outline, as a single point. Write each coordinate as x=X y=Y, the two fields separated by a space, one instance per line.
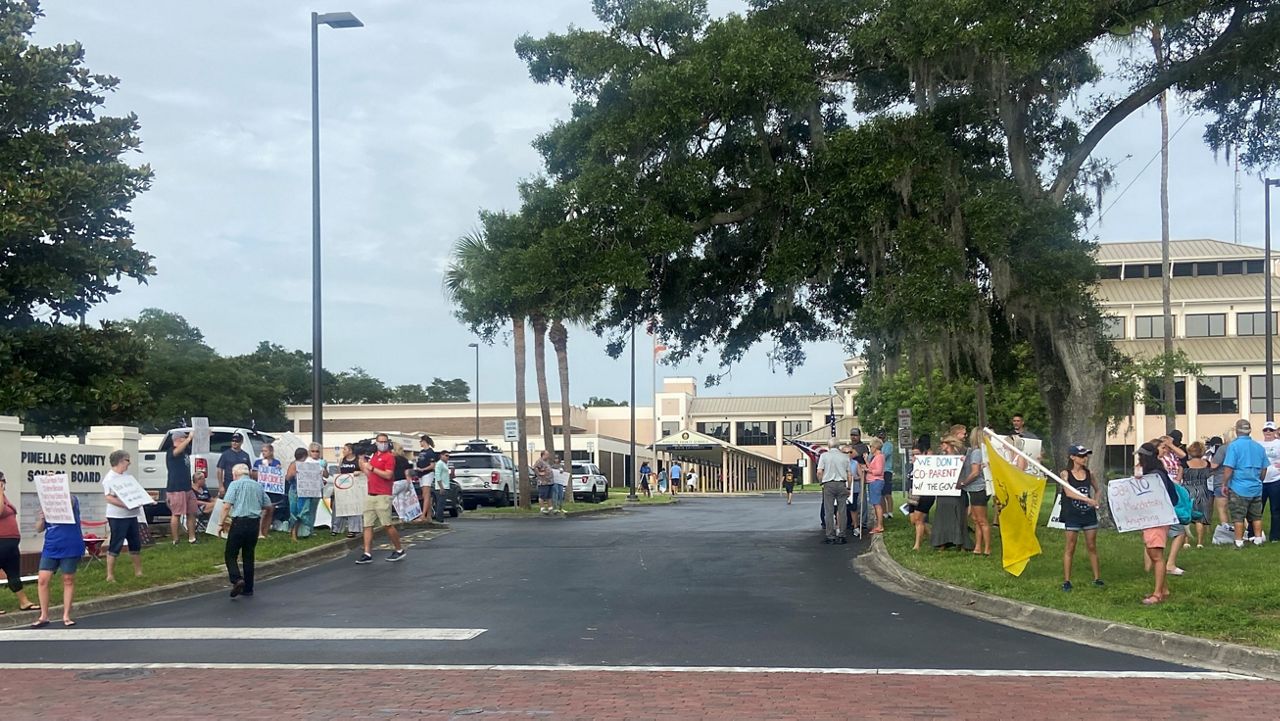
x=57 y=633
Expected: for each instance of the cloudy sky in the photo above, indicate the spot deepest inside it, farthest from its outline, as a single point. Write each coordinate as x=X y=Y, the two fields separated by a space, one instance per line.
x=426 y=117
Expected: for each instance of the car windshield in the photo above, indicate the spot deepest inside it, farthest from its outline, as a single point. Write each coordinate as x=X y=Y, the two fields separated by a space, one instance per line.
x=582 y=468
x=477 y=461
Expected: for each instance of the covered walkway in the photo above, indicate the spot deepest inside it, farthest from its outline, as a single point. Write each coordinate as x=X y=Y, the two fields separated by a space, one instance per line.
x=721 y=467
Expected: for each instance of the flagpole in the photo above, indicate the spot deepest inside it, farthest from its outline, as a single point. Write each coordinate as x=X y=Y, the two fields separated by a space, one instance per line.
x=993 y=436
x=654 y=379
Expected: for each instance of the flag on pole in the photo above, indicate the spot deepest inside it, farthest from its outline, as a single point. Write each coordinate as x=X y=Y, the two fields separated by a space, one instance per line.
x=831 y=418
x=810 y=451
x=1019 y=494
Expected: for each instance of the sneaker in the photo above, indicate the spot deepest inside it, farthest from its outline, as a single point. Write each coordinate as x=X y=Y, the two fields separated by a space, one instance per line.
x=888 y=515
x=395 y=556
x=1259 y=540
x=1239 y=544
x=1098 y=582
x=544 y=511
x=364 y=558
x=1066 y=585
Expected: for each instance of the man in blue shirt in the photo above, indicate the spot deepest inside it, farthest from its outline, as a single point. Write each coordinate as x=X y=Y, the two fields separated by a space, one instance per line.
x=1242 y=475
x=245 y=501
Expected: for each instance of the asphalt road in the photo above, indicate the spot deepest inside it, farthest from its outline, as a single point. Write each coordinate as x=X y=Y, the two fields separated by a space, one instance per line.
x=708 y=582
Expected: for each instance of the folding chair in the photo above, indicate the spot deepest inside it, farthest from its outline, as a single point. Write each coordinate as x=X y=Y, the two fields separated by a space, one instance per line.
x=92 y=541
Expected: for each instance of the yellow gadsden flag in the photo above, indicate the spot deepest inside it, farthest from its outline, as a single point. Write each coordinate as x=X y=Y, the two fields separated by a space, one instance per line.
x=1019 y=494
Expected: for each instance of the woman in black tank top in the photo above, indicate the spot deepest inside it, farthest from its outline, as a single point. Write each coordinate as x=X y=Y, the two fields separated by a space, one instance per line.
x=1080 y=512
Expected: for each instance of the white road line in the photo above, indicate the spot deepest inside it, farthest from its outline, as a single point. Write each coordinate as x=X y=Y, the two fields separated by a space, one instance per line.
x=986 y=673
x=240 y=634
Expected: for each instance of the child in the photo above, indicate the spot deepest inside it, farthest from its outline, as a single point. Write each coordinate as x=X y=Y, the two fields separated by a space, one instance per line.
x=1079 y=512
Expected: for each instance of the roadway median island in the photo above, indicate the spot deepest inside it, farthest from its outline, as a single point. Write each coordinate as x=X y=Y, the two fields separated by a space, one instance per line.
x=173 y=571
x=617 y=500
x=1226 y=595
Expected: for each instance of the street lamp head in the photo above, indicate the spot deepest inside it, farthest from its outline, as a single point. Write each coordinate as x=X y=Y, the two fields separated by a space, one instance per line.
x=1273 y=181
x=473 y=345
x=339 y=20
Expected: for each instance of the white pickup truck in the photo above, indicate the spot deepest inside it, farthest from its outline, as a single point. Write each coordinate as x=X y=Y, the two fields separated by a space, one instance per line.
x=150 y=470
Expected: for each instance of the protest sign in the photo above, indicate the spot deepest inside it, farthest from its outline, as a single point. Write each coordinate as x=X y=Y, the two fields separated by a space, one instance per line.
x=406 y=505
x=271 y=478
x=310 y=480
x=324 y=519
x=349 y=491
x=200 y=436
x=130 y=492
x=54 y=491
x=936 y=475
x=285 y=446
x=1138 y=503
x=1055 y=516
x=216 y=515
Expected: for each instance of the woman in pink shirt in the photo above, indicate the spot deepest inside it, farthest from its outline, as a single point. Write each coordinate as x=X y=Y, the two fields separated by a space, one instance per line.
x=875 y=482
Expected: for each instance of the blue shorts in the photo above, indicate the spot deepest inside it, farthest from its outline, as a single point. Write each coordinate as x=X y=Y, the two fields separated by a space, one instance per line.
x=66 y=565
x=875 y=489
x=1077 y=528
x=1217 y=491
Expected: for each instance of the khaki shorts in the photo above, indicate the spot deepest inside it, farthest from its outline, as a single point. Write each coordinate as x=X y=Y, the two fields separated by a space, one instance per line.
x=377 y=510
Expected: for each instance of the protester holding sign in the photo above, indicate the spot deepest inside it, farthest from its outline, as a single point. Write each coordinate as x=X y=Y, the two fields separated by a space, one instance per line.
x=348 y=464
x=950 y=528
x=63 y=547
x=117 y=486
x=10 y=557
x=268 y=472
x=177 y=491
x=1155 y=537
x=1079 y=512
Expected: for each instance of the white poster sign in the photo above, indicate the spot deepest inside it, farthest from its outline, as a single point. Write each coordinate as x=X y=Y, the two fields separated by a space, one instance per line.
x=936 y=475
x=130 y=492
x=271 y=478
x=310 y=480
x=1055 y=516
x=406 y=505
x=54 y=491
x=285 y=446
x=216 y=514
x=1138 y=503
x=200 y=436
x=324 y=519
x=349 y=492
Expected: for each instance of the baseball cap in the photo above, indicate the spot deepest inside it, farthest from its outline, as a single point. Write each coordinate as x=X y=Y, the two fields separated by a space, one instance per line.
x=855 y=431
x=1079 y=450
x=1244 y=426
x=180 y=434
x=1269 y=426
x=237 y=437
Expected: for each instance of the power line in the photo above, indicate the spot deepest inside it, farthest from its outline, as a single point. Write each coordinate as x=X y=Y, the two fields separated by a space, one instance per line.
x=1139 y=175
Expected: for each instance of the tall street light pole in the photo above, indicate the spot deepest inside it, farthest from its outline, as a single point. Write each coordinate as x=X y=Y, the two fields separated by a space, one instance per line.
x=631 y=465
x=336 y=21
x=1269 y=183
x=477 y=389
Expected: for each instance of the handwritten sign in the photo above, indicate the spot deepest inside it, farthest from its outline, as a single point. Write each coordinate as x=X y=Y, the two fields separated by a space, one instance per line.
x=130 y=492
x=54 y=491
x=1055 y=516
x=936 y=475
x=271 y=478
x=310 y=480
x=200 y=436
x=1138 y=503
x=406 y=505
x=286 y=445
x=349 y=492
x=216 y=516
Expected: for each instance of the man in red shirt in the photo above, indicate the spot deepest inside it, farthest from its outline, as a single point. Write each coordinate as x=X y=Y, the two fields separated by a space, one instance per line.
x=379 y=471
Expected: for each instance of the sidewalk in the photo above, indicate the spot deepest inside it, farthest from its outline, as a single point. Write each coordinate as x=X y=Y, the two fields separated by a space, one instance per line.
x=282 y=694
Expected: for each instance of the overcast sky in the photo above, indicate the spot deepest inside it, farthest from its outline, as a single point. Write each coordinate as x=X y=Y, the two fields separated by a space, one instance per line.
x=426 y=117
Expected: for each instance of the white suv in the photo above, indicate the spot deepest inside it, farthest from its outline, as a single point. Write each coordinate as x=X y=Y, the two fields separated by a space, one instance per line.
x=589 y=483
x=487 y=479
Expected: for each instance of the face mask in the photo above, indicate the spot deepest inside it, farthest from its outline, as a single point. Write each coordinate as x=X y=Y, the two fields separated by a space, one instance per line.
x=383 y=446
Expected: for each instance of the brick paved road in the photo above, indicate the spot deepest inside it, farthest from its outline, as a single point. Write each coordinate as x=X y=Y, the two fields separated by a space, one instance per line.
x=601 y=696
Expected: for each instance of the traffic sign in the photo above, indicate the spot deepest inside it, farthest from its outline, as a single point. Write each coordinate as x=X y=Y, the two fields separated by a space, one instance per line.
x=510 y=430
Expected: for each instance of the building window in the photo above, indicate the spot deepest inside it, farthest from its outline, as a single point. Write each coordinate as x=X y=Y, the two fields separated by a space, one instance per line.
x=1110 y=272
x=1148 y=326
x=669 y=427
x=1252 y=323
x=1113 y=327
x=1182 y=270
x=1155 y=393
x=1203 y=269
x=1254 y=267
x=1153 y=270
x=791 y=429
x=1232 y=267
x=1258 y=393
x=1205 y=325
x=1218 y=394
x=719 y=429
x=757 y=433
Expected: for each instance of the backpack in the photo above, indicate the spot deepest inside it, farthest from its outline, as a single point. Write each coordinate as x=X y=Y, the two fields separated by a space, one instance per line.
x=1183 y=509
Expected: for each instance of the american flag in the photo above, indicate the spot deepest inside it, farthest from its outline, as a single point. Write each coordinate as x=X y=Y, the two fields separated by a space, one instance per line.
x=832 y=419
x=806 y=448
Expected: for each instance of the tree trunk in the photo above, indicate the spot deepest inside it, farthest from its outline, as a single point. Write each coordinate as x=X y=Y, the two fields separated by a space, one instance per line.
x=539 y=322
x=1072 y=377
x=1166 y=270
x=560 y=341
x=522 y=452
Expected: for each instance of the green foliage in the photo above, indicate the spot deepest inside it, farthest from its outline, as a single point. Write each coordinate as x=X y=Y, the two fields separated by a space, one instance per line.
x=440 y=391
x=598 y=402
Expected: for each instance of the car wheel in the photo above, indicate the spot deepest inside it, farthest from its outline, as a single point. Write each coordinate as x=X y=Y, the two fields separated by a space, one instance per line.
x=469 y=505
x=606 y=493
x=454 y=512
x=507 y=499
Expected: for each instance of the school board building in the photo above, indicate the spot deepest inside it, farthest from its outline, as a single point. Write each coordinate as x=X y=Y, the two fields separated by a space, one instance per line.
x=737 y=442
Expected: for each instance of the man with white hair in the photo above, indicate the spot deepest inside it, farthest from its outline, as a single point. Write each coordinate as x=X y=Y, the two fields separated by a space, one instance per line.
x=833 y=473
x=246 y=501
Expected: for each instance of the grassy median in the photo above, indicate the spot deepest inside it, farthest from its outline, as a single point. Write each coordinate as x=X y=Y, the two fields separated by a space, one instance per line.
x=616 y=499
x=1226 y=594
x=162 y=564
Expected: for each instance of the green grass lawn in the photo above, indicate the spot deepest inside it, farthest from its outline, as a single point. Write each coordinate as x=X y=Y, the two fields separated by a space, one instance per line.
x=1226 y=594
x=617 y=499
x=162 y=564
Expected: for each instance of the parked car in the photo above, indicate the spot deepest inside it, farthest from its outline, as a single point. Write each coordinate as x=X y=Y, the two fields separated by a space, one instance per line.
x=153 y=474
x=487 y=479
x=588 y=483
x=452 y=500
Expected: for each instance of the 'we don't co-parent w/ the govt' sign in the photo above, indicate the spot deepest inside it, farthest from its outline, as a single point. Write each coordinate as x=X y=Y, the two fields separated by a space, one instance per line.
x=936 y=475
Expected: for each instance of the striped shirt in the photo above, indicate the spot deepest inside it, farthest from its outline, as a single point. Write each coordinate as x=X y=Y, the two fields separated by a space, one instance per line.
x=246 y=497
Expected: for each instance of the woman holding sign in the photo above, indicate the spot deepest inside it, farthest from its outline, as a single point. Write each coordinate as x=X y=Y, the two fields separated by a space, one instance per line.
x=117 y=485
x=10 y=557
x=1154 y=539
x=63 y=547
x=1080 y=512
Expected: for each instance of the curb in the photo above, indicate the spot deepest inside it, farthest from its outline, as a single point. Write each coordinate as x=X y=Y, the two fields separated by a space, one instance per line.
x=200 y=585
x=877 y=566
x=571 y=514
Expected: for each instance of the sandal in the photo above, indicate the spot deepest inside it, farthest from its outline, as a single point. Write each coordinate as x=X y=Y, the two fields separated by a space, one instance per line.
x=32 y=607
x=40 y=624
x=68 y=623
x=1152 y=600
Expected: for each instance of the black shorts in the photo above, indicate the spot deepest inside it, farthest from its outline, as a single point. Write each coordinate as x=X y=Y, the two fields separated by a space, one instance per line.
x=124 y=529
x=788 y=486
x=924 y=505
x=11 y=563
x=978 y=497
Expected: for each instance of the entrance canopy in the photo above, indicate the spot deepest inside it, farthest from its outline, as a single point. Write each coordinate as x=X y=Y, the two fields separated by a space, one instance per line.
x=721 y=466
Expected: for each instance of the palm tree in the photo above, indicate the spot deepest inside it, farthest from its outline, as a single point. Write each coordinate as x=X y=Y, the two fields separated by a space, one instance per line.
x=1166 y=270
x=539 y=322
x=560 y=341
x=477 y=282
